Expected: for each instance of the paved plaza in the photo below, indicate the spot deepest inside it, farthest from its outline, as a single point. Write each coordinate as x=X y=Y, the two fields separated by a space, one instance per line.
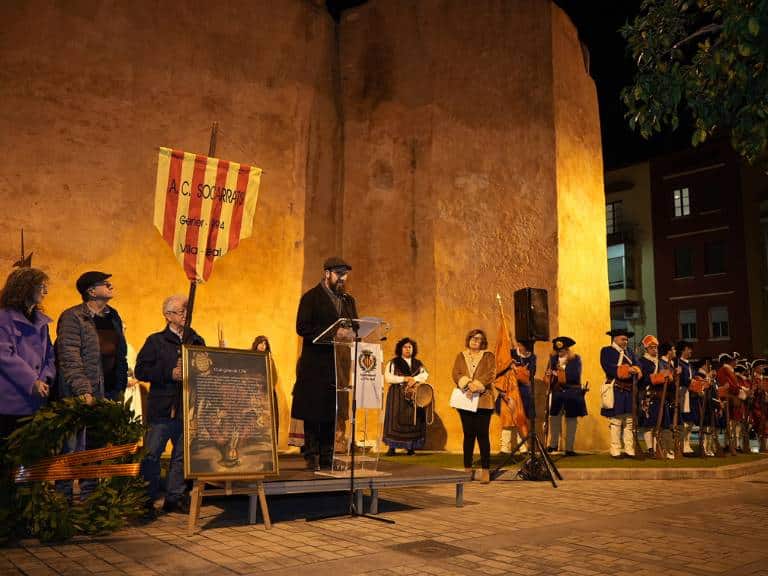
x=622 y=527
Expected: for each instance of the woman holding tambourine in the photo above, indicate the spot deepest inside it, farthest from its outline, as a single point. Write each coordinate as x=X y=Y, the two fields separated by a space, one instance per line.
x=409 y=399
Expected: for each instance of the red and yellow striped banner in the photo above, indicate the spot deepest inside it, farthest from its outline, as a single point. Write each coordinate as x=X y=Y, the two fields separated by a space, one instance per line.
x=203 y=207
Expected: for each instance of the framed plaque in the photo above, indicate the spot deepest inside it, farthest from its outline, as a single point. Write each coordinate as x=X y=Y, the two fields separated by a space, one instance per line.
x=229 y=422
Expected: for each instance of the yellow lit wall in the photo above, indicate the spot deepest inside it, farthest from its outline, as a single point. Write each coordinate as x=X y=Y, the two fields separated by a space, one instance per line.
x=582 y=286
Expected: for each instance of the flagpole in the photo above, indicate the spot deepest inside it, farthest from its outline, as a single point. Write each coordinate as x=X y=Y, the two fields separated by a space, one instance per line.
x=187 y=334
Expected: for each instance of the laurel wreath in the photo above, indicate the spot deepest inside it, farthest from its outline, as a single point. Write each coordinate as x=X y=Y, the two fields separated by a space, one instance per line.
x=37 y=509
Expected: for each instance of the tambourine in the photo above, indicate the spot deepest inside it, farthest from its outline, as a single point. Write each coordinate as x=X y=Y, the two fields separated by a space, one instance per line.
x=423 y=395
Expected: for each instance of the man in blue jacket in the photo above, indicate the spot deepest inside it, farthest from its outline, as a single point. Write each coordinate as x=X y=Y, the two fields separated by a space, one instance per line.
x=159 y=363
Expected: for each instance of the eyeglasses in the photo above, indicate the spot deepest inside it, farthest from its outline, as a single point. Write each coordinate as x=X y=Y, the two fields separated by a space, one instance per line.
x=107 y=284
x=476 y=337
x=182 y=312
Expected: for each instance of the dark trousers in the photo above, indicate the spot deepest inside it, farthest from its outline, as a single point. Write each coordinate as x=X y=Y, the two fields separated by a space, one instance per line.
x=155 y=441
x=318 y=441
x=78 y=442
x=476 y=426
x=8 y=423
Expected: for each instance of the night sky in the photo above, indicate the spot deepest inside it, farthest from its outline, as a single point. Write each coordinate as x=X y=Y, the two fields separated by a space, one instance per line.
x=598 y=22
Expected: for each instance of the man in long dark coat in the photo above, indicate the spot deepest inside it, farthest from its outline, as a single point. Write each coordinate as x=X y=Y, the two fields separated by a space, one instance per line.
x=314 y=394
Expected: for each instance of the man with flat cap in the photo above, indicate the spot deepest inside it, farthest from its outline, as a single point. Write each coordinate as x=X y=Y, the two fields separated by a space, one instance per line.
x=91 y=351
x=620 y=368
x=314 y=394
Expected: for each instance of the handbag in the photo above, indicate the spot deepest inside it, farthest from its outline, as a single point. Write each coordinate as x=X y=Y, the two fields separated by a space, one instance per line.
x=606 y=395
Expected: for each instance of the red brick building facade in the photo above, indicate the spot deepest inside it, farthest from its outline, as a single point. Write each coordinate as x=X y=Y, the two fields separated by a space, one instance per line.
x=708 y=250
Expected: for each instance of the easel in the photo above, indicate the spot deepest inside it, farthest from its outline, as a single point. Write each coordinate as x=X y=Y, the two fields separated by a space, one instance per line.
x=199 y=490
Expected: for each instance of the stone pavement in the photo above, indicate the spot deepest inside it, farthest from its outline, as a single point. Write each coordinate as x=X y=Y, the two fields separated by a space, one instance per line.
x=675 y=528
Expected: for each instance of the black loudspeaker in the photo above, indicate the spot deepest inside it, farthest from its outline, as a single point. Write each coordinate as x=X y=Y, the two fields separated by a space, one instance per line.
x=531 y=314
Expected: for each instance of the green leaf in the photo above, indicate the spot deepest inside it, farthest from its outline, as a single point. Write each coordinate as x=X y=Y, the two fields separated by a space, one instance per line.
x=754 y=26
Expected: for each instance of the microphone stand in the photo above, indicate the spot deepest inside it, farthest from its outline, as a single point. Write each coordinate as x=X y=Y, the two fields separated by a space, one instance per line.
x=352 y=510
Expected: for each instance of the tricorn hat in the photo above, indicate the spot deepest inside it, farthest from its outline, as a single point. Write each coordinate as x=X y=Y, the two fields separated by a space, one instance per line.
x=89 y=279
x=562 y=342
x=725 y=357
x=336 y=263
x=620 y=332
x=758 y=363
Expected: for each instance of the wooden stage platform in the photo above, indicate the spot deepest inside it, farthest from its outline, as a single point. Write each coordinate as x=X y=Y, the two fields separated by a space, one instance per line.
x=294 y=478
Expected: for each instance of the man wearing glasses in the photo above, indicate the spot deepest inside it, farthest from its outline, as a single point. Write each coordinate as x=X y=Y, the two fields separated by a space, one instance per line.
x=91 y=353
x=314 y=394
x=159 y=363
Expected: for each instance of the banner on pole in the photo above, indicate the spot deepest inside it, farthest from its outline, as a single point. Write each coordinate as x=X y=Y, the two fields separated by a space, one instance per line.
x=203 y=207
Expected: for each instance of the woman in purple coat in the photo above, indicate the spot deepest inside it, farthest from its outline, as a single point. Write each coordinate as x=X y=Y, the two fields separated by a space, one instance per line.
x=26 y=353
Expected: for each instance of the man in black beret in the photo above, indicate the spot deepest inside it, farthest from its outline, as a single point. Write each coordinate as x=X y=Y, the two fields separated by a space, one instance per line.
x=314 y=394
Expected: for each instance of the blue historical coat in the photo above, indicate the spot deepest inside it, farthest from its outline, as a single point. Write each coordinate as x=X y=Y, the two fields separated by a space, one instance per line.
x=689 y=406
x=611 y=357
x=568 y=396
x=651 y=394
x=525 y=389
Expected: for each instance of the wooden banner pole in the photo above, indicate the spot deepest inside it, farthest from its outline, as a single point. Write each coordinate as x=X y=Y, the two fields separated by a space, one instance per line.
x=193 y=284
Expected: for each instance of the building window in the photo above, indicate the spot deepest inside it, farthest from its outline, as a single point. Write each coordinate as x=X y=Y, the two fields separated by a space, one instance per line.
x=688 y=324
x=708 y=200
x=714 y=257
x=682 y=201
x=613 y=217
x=683 y=262
x=616 y=267
x=718 y=322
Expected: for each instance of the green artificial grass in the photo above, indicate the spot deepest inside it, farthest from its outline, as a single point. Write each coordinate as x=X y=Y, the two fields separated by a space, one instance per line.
x=585 y=460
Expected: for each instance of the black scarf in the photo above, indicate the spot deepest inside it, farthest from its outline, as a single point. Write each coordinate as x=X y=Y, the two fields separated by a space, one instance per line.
x=402 y=369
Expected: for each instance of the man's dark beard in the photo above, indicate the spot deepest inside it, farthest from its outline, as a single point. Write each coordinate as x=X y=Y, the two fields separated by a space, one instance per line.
x=336 y=287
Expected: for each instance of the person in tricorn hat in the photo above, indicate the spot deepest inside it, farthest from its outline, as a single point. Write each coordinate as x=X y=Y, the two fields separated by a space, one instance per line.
x=314 y=393
x=726 y=376
x=564 y=370
x=620 y=367
x=760 y=405
x=91 y=353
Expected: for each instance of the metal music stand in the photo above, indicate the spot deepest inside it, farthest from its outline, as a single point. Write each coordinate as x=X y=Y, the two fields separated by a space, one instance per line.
x=348 y=333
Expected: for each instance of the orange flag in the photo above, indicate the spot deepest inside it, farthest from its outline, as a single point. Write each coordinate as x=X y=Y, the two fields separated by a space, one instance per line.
x=512 y=412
